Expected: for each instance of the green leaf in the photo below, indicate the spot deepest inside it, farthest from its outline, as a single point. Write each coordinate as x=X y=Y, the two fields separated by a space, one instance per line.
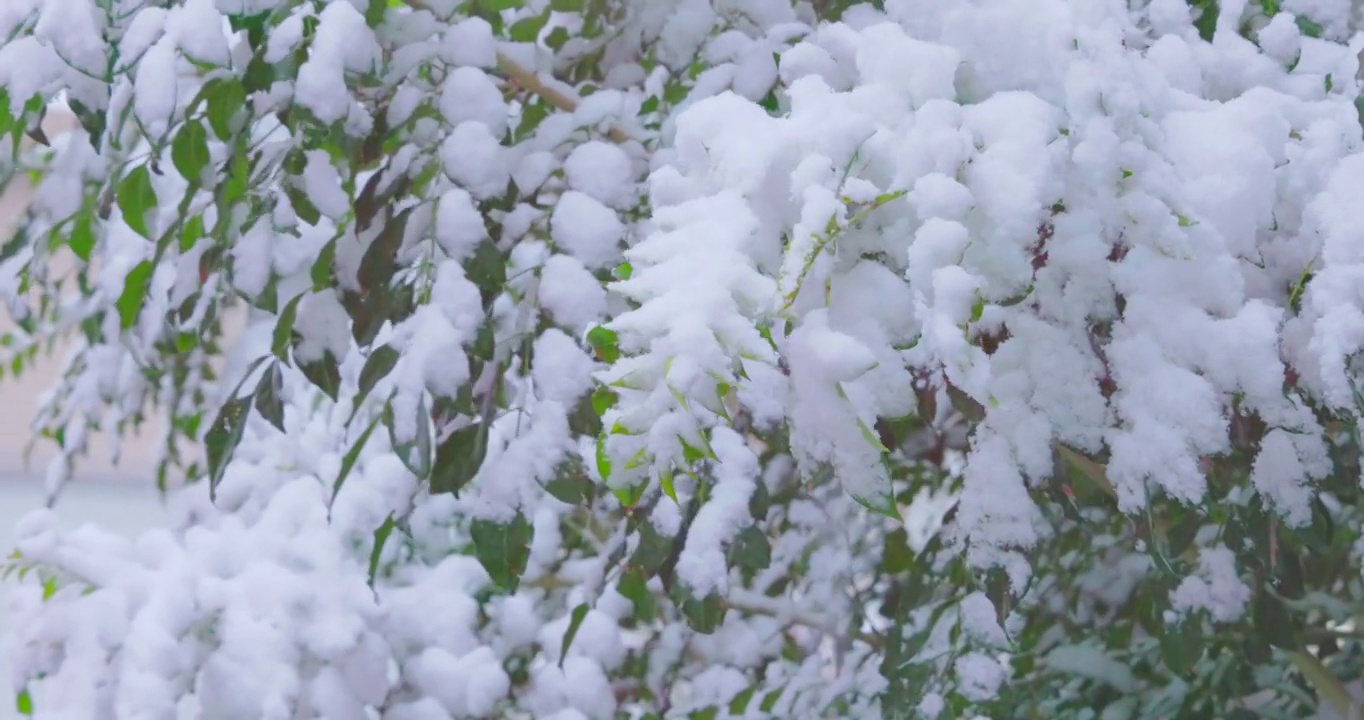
x=604 y=341
x=503 y=548
x=1181 y=645
x=653 y=549
x=223 y=437
x=1308 y=26
x=634 y=586
x=896 y=557
x=751 y=549
x=487 y=269
x=415 y=453
x=303 y=207
x=378 y=365
x=284 y=329
x=374 y=12
x=325 y=374
x=566 y=6
x=704 y=616
x=575 y=621
x=1183 y=533
x=137 y=199
x=189 y=151
x=129 y=302
x=603 y=458
x=23 y=702
x=379 y=262
x=381 y=534
x=572 y=489
x=603 y=399
x=527 y=29
x=224 y=98
x=82 y=240
x=740 y=701
x=321 y=272
x=458 y=458
x=190 y=232
x=268 y=401
x=1273 y=622
x=353 y=456
x=498 y=5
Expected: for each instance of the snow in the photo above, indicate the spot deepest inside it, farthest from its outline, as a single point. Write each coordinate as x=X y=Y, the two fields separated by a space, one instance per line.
x=156 y=88
x=459 y=224
x=563 y=371
x=342 y=43
x=1108 y=234
x=469 y=42
x=702 y=564
x=324 y=326
x=322 y=184
x=470 y=95
x=1215 y=588
x=570 y=294
x=979 y=675
x=602 y=171
x=586 y=229
x=472 y=157
x=198 y=30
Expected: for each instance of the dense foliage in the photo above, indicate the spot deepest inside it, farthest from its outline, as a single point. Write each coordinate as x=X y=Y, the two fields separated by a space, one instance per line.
x=696 y=358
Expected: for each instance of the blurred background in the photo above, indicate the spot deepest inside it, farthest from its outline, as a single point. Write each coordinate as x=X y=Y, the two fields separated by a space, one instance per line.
x=121 y=498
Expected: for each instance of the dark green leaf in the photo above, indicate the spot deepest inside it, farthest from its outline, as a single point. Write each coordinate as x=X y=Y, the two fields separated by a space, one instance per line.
x=487 y=269
x=572 y=489
x=284 y=329
x=303 y=207
x=378 y=365
x=189 y=151
x=896 y=557
x=1181 y=645
x=222 y=438
x=380 y=258
x=556 y=39
x=653 y=549
x=459 y=457
x=566 y=5
x=381 y=534
x=1272 y=621
x=575 y=621
x=322 y=267
x=324 y=373
x=751 y=549
x=225 y=98
x=704 y=616
x=137 y=199
x=268 y=401
x=503 y=548
x=1182 y=534
x=134 y=293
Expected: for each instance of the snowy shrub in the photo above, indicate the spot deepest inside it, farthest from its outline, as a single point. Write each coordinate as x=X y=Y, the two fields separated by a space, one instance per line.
x=674 y=358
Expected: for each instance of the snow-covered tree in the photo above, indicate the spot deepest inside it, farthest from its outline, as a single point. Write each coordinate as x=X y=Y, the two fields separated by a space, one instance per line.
x=696 y=358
